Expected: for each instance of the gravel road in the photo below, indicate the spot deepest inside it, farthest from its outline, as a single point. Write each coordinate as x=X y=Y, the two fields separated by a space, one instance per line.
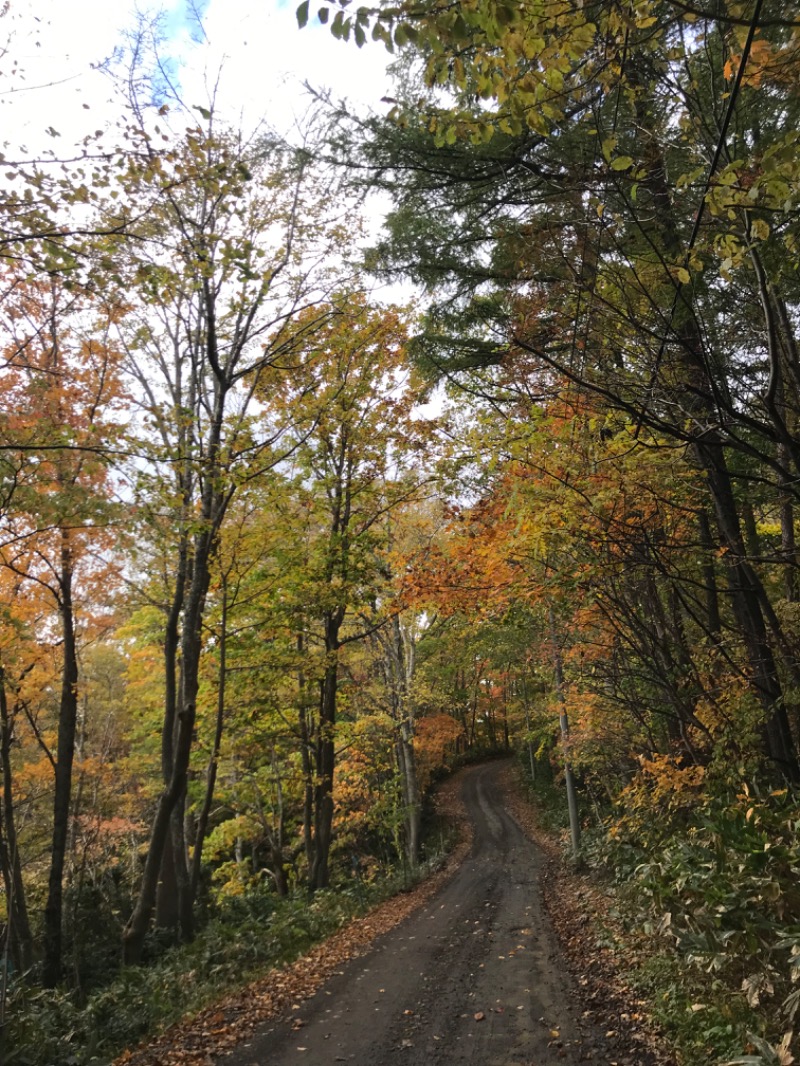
x=474 y=977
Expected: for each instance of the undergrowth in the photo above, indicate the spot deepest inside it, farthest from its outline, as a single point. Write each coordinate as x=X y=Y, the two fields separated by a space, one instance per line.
x=546 y=794
x=709 y=892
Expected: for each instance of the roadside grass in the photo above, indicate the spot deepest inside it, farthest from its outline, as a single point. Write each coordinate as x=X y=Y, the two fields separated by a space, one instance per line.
x=694 y=1010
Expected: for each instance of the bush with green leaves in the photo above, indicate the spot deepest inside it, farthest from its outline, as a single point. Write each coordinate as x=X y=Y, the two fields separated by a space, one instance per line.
x=717 y=883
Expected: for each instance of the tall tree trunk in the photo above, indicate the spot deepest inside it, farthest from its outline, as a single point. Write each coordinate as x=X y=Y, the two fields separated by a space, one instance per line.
x=183 y=880
x=167 y=908
x=319 y=876
x=19 y=929
x=275 y=828
x=62 y=793
x=751 y=537
x=175 y=790
x=529 y=742
x=746 y=596
x=410 y=783
x=713 y=620
x=690 y=367
x=167 y=915
x=789 y=549
x=791 y=585
x=213 y=762
x=563 y=721
x=196 y=572
x=506 y=727
x=305 y=756
x=399 y=655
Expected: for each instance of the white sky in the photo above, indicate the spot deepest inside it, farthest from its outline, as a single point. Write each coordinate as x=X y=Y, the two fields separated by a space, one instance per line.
x=254 y=50
x=263 y=55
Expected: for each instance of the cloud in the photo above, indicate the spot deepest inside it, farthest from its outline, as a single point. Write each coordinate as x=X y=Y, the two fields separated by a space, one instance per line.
x=254 y=54
x=262 y=60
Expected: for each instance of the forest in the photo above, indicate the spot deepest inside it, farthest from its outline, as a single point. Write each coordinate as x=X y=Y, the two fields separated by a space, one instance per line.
x=277 y=554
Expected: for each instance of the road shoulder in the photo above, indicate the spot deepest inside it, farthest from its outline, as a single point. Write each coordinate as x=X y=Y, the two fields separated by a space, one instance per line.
x=579 y=913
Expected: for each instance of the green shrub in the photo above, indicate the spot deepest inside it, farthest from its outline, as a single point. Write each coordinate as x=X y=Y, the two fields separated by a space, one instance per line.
x=716 y=883
x=251 y=935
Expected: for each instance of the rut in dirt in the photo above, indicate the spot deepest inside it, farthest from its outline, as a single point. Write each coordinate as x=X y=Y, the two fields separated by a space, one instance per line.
x=474 y=977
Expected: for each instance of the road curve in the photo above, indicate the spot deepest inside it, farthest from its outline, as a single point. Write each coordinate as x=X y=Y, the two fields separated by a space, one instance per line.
x=474 y=977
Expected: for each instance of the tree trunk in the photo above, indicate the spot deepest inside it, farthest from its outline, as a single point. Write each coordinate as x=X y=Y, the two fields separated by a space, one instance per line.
x=713 y=620
x=529 y=743
x=175 y=790
x=167 y=907
x=399 y=659
x=789 y=550
x=183 y=880
x=213 y=762
x=690 y=368
x=195 y=572
x=563 y=720
x=746 y=594
x=319 y=875
x=19 y=930
x=136 y=929
x=410 y=784
x=305 y=759
x=62 y=793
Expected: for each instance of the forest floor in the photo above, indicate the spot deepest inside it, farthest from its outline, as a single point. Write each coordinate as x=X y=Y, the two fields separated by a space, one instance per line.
x=492 y=962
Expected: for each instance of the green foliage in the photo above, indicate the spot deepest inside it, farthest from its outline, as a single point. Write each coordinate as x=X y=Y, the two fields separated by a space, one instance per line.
x=250 y=934
x=693 y=1009
x=716 y=895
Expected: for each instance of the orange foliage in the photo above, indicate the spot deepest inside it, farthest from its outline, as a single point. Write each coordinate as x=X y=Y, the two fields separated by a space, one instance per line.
x=435 y=743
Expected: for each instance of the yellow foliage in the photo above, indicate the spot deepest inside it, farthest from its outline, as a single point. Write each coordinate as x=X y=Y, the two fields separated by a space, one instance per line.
x=660 y=791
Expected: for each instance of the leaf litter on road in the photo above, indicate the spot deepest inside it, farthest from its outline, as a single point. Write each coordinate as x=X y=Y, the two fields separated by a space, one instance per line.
x=577 y=907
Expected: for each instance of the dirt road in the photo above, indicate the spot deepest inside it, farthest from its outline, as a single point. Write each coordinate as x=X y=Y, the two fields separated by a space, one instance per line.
x=475 y=977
